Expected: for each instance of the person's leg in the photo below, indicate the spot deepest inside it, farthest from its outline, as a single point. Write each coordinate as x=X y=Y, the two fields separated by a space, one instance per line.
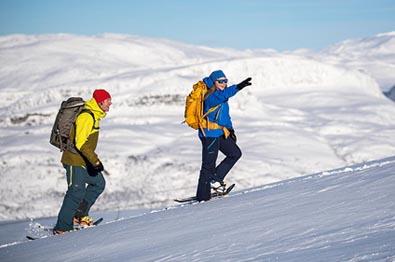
x=232 y=152
x=210 y=147
x=76 y=179
x=96 y=185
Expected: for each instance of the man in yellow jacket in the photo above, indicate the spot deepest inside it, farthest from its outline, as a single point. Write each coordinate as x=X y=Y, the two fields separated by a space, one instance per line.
x=84 y=169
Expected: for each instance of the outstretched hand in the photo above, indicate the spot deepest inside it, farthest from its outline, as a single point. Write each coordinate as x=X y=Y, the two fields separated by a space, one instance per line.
x=244 y=83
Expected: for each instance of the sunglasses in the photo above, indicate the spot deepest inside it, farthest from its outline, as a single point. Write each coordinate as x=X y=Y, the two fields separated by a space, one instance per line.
x=222 y=81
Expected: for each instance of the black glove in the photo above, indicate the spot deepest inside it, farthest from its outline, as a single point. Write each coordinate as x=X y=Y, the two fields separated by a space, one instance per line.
x=244 y=83
x=99 y=167
x=94 y=170
x=232 y=135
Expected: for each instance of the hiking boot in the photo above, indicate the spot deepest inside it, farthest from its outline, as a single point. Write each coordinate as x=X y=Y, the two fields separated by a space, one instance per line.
x=85 y=221
x=58 y=232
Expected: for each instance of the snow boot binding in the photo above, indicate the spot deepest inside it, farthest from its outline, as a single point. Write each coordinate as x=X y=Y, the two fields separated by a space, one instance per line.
x=83 y=222
x=218 y=187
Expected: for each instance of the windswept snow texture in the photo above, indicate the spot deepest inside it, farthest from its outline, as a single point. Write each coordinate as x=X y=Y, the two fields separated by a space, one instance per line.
x=346 y=214
x=303 y=114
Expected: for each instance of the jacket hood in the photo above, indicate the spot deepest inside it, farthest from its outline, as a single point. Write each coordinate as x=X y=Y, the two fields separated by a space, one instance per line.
x=215 y=75
x=209 y=83
x=95 y=109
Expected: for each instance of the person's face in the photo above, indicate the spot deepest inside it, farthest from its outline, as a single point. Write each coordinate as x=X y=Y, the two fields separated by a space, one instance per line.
x=221 y=84
x=105 y=105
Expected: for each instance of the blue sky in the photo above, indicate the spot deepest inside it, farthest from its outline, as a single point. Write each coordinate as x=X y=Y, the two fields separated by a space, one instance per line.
x=278 y=24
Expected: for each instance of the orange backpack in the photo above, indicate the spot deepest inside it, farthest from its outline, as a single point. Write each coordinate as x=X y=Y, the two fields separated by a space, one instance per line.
x=194 y=107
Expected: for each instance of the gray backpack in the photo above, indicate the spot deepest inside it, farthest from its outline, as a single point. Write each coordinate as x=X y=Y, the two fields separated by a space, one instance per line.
x=64 y=122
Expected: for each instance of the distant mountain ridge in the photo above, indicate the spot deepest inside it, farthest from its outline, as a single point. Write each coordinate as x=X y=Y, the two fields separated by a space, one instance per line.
x=374 y=55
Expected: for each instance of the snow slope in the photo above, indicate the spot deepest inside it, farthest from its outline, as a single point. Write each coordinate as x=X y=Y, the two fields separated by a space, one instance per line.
x=346 y=214
x=302 y=115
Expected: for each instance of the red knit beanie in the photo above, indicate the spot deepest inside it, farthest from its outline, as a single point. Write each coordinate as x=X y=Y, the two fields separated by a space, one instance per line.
x=100 y=95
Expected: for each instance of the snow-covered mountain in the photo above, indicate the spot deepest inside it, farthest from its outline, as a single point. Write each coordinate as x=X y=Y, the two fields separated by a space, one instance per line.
x=346 y=214
x=302 y=115
x=374 y=56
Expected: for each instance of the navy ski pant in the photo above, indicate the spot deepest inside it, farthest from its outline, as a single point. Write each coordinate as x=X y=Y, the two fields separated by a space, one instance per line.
x=209 y=171
x=78 y=192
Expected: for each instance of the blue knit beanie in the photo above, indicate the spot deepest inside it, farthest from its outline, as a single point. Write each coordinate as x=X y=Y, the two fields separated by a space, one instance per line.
x=217 y=75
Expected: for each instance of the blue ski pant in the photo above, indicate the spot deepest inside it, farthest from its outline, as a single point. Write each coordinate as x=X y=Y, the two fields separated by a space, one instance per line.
x=209 y=170
x=82 y=188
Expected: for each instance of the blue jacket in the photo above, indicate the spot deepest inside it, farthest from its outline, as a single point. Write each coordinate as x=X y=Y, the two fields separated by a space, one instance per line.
x=221 y=115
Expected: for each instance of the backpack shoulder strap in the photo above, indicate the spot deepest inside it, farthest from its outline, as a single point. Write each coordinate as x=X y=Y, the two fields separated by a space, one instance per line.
x=206 y=95
x=212 y=109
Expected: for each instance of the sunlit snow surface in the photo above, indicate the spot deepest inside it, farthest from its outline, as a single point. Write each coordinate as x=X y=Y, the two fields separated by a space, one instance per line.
x=346 y=214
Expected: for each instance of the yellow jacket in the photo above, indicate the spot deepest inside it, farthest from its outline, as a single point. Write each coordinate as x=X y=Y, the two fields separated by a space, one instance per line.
x=85 y=135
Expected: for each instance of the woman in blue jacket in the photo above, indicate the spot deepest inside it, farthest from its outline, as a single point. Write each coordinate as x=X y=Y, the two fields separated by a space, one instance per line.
x=214 y=140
